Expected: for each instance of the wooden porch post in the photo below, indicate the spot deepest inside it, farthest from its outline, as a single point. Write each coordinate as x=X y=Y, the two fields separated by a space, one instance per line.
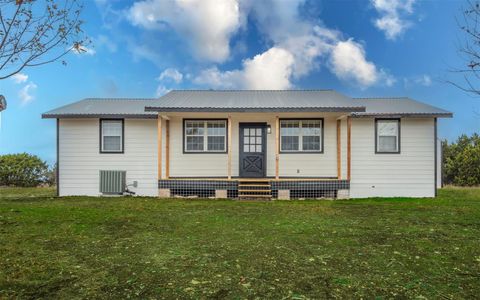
x=349 y=148
x=167 y=149
x=277 y=146
x=159 y=146
x=339 y=149
x=229 y=137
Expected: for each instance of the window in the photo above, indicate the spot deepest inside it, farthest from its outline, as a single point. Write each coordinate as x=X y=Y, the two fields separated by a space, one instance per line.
x=387 y=135
x=301 y=135
x=205 y=135
x=111 y=136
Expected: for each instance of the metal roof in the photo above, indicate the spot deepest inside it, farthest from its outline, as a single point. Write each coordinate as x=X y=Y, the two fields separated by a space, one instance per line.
x=245 y=101
x=103 y=108
x=400 y=106
x=254 y=101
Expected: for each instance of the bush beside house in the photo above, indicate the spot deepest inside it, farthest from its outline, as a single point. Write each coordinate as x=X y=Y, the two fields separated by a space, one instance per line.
x=24 y=170
x=461 y=161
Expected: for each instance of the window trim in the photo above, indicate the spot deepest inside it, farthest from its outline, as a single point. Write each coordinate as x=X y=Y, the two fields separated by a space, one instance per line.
x=101 y=136
x=184 y=144
x=398 y=139
x=322 y=133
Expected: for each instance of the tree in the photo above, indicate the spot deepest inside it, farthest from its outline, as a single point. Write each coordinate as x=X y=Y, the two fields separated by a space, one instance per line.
x=38 y=32
x=461 y=161
x=22 y=170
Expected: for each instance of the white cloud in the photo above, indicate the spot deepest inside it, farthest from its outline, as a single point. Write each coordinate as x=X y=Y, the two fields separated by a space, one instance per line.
x=171 y=74
x=296 y=46
x=348 y=63
x=269 y=70
x=161 y=90
x=392 y=12
x=20 y=78
x=206 y=24
x=25 y=93
x=299 y=47
x=424 y=80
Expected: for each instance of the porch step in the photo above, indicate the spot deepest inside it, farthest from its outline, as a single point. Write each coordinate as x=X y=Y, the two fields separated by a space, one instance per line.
x=254 y=189
x=254 y=196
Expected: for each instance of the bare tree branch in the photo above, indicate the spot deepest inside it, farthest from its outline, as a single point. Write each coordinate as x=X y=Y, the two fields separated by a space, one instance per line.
x=34 y=33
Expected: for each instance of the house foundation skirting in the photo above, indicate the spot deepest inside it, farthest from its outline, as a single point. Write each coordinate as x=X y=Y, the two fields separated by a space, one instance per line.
x=278 y=189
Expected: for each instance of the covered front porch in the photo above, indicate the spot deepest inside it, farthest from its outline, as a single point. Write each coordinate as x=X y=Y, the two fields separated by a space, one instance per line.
x=252 y=163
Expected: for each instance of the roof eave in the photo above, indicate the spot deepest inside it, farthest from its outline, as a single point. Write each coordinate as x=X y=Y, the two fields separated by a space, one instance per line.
x=86 y=116
x=399 y=115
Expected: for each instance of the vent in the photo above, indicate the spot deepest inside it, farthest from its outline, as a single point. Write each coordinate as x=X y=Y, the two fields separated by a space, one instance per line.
x=112 y=182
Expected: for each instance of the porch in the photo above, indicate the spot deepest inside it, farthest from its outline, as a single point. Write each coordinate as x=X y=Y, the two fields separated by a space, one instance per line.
x=258 y=169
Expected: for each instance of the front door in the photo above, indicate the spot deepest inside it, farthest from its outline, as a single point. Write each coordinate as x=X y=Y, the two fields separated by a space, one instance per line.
x=252 y=149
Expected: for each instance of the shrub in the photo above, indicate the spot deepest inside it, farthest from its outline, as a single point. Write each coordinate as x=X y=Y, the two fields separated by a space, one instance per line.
x=461 y=161
x=22 y=169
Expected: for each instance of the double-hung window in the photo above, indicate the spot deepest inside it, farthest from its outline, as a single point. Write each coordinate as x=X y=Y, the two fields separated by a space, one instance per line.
x=203 y=136
x=111 y=136
x=301 y=135
x=387 y=135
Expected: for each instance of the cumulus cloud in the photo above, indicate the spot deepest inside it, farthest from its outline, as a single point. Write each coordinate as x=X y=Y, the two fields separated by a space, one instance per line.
x=392 y=16
x=269 y=70
x=26 y=93
x=299 y=47
x=171 y=74
x=348 y=62
x=20 y=78
x=296 y=46
x=206 y=24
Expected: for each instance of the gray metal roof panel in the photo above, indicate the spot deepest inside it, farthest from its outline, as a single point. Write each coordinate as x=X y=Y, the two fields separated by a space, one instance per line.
x=244 y=101
x=97 y=107
x=399 y=106
x=254 y=100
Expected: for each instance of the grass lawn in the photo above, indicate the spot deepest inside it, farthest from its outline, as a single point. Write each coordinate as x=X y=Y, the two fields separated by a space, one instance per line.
x=81 y=247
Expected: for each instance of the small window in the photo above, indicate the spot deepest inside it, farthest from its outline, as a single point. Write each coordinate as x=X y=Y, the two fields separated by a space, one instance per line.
x=205 y=136
x=111 y=136
x=388 y=135
x=301 y=135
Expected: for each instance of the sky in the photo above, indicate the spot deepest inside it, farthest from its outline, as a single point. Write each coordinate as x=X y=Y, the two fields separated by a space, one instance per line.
x=369 y=48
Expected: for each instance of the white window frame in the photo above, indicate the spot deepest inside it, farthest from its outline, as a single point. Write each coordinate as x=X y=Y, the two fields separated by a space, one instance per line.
x=300 y=136
x=377 y=136
x=102 y=136
x=205 y=135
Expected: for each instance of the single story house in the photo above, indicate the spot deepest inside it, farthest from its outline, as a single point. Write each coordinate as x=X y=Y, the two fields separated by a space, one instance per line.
x=284 y=144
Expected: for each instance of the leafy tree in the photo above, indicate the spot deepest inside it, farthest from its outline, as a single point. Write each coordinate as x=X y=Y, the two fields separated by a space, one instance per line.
x=461 y=161
x=22 y=169
x=38 y=32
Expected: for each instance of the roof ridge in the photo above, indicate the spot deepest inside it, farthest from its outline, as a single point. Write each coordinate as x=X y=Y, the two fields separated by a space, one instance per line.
x=385 y=98
x=119 y=99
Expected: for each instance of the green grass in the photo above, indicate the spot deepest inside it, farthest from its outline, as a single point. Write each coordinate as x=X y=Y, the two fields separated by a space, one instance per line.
x=81 y=247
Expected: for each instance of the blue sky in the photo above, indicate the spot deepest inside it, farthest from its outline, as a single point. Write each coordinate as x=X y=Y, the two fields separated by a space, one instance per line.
x=145 y=48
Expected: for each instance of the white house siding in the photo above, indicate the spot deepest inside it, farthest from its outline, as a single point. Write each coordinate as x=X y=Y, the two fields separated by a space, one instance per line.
x=215 y=165
x=409 y=174
x=80 y=160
